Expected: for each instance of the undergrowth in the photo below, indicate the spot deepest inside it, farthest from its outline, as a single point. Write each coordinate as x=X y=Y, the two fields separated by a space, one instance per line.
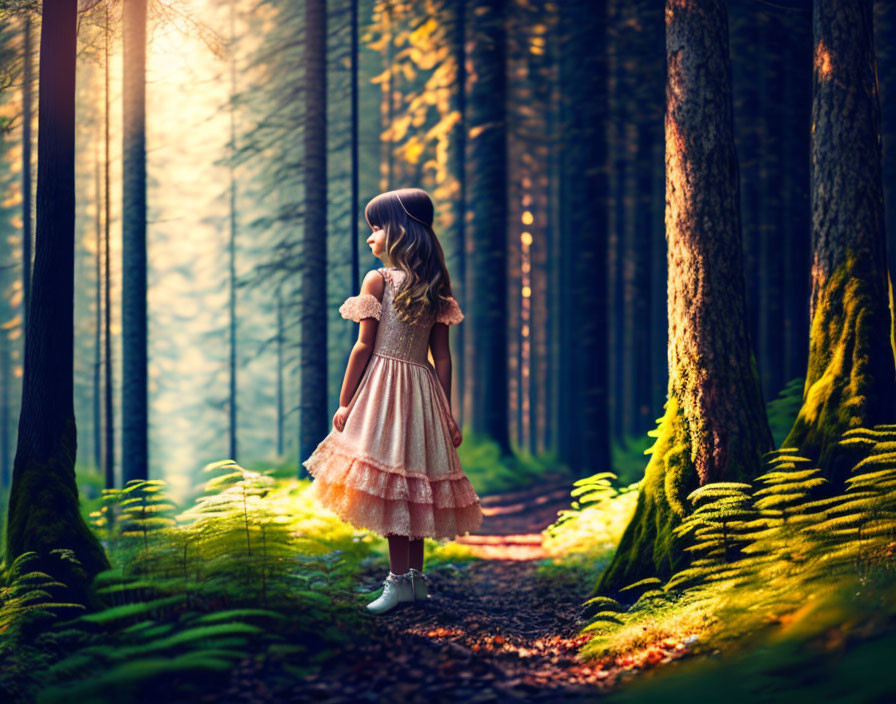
x=786 y=572
x=252 y=566
x=782 y=565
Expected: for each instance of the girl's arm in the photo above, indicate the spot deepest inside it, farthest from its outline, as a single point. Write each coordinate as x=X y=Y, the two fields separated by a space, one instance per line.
x=374 y=285
x=441 y=357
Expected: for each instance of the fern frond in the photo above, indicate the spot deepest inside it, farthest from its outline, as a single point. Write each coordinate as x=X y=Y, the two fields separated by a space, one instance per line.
x=604 y=602
x=649 y=581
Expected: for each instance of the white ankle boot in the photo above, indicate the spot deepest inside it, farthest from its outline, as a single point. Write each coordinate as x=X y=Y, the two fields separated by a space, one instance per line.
x=396 y=589
x=419 y=581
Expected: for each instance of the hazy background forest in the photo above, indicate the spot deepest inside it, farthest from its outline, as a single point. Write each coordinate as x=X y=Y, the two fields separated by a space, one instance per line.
x=192 y=93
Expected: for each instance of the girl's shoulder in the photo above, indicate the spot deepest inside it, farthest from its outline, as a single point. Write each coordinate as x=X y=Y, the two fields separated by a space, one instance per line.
x=392 y=275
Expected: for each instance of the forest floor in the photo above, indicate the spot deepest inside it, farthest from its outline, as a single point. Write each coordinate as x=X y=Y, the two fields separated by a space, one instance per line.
x=492 y=630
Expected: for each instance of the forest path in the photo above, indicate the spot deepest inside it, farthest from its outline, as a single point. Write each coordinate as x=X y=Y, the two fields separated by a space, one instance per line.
x=491 y=630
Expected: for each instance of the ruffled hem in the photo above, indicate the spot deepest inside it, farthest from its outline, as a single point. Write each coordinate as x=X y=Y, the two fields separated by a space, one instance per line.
x=451 y=313
x=338 y=465
x=364 y=305
x=396 y=517
x=370 y=494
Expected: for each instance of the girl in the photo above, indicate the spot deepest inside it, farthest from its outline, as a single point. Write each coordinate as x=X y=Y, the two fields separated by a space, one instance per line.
x=390 y=464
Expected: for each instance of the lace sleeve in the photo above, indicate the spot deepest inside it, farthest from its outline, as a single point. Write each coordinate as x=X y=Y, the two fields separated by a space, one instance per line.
x=451 y=313
x=363 y=305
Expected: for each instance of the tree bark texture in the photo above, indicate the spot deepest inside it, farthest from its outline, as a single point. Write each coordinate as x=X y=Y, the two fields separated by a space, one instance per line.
x=851 y=379
x=715 y=428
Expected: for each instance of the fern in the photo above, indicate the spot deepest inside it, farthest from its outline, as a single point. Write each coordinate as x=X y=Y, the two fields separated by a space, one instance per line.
x=782 y=411
x=24 y=597
x=604 y=602
x=589 y=491
x=718 y=525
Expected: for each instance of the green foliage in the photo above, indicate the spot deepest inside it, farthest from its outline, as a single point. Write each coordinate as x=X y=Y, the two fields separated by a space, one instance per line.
x=142 y=659
x=583 y=536
x=628 y=457
x=252 y=564
x=783 y=547
x=782 y=411
x=783 y=671
x=720 y=521
x=489 y=473
x=595 y=491
x=605 y=603
x=24 y=598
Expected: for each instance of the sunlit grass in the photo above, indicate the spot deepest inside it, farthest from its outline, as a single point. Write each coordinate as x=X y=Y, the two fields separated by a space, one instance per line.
x=775 y=562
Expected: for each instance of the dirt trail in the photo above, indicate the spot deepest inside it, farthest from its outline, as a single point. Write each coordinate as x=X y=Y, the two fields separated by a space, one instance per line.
x=490 y=632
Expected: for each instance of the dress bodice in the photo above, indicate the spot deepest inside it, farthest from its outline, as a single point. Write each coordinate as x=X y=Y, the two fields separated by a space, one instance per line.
x=395 y=338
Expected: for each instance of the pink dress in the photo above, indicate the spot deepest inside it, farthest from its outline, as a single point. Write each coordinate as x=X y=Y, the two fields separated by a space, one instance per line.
x=393 y=469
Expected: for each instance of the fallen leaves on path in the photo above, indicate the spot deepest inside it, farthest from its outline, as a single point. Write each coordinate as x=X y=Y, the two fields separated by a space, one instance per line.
x=491 y=631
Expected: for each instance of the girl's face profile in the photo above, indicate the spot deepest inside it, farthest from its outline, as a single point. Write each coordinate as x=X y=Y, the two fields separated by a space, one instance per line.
x=377 y=241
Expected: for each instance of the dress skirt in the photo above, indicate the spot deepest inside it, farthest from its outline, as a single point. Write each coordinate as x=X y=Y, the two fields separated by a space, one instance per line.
x=393 y=469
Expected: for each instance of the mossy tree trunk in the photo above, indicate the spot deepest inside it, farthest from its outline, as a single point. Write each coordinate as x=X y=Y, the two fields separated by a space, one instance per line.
x=43 y=504
x=714 y=427
x=850 y=379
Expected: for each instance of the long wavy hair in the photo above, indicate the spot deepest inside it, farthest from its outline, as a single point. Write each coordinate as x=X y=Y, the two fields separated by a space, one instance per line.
x=406 y=216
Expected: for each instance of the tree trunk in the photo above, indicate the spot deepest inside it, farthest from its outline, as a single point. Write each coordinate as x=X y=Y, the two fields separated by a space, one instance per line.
x=649 y=57
x=5 y=399
x=98 y=329
x=43 y=504
x=280 y=368
x=313 y=365
x=27 y=82
x=643 y=413
x=487 y=302
x=659 y=319
x=355 y=153
x=850 y=379
x=108 y=390
x=746 y=46
x=134 y=401
x=714 y=427
x=231 y=276
x=795 y=193
x=583 y=436
x=460 y=209
x=885 y=50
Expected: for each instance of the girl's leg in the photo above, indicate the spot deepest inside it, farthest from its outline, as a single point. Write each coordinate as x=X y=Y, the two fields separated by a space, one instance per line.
x=415 y=554
x=398 y=553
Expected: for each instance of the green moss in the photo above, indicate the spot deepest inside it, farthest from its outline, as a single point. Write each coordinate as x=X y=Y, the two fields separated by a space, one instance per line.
x=850 y=380
x=43 y=516
x=648 y=547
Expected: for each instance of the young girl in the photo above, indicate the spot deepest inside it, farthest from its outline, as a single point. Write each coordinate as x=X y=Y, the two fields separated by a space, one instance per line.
x=390 y=464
